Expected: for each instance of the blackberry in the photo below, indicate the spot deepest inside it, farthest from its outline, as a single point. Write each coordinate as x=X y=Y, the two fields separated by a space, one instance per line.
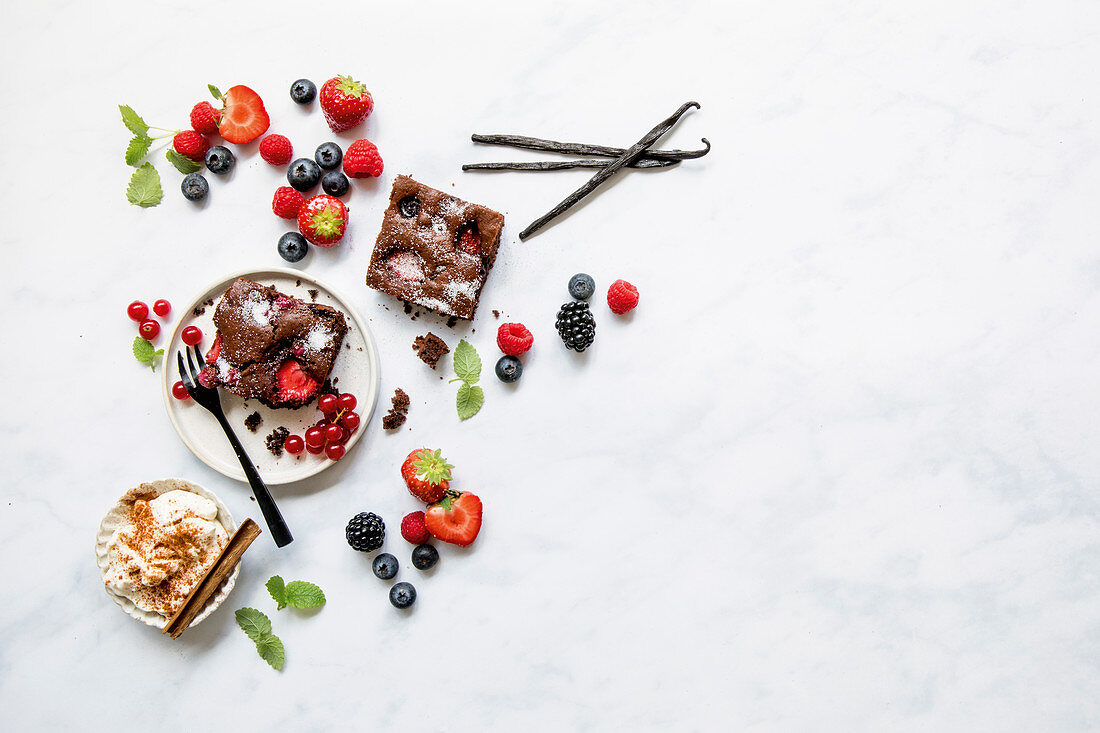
x=366 y=531
x=576 y=326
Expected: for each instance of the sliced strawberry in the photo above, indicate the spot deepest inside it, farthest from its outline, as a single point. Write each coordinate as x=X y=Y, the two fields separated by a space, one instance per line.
x=243 y=118
x=294 y=384
x=215 y=350
x=469 y=239
x=455 y=519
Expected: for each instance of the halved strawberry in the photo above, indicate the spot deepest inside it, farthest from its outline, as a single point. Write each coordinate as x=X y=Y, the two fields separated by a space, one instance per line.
x=294 y=384
x=427 y=474
x=215 y=350
x=455 y=519
x=243 y=115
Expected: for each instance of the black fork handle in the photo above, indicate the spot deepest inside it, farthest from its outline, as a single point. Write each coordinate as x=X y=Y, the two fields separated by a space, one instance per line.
x=274 y=518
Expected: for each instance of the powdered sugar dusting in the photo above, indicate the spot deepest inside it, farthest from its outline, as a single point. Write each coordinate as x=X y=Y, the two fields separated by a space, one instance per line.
x=318 y=339
x=406 y=265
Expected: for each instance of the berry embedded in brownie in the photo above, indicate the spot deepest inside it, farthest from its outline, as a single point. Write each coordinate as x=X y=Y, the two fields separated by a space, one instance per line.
x=430 y=348
x=272 y=347
x=434 y=250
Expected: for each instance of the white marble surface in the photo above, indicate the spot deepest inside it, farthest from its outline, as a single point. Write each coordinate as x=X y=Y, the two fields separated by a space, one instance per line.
x=837 y=472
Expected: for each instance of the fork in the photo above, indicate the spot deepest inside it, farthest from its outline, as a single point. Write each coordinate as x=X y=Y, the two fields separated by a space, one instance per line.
x=210 y=398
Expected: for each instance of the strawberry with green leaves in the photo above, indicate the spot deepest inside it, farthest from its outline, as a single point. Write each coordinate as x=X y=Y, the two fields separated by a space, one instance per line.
x=427 y=474
x=323 y=219
x=456 y=518
x=345 y=103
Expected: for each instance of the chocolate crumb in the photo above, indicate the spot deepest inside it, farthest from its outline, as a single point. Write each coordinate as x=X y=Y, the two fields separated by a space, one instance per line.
x=451 y=322
x=430 y=348
x=395 y=418
x=252 y=422
x=312 y=294
x=408 y=308
x=393 y=421
x=276 y=439
x=401 y=401
x=298 y=283
x=496 y=313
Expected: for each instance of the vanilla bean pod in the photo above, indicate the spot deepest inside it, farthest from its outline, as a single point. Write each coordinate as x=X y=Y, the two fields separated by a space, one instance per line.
x=553 y=146
x=631 y=154
x=561 y=165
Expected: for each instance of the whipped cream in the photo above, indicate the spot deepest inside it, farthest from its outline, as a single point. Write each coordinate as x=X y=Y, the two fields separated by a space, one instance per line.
x=163 y=549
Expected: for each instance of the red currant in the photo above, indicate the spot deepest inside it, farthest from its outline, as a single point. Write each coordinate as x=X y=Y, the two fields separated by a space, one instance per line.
x=315 y=450
x=294 y=444
x=149 y=329
x=137 y=311
x=327 y=403
x=162 y=307
x=350 y=420
x=333 y=433
x=335 y=451
x=179 y=391
x=344 y=435
x=191 y=335
x=346 y=401
x=315 y=438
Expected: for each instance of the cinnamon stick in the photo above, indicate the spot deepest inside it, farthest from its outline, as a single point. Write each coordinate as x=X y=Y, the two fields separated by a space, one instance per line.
x=219 y=571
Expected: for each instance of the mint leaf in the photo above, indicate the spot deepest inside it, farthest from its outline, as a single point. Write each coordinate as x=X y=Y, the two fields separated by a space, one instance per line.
x=214 y=90
x=467 y=363
x=469 y=401
x=144 y=189
x=137 y=149
x=183 y=164
x=145 y=353
x=271 y=650
x=254 y=624
x=300 y=594
x=277 y=590
x=133 y=121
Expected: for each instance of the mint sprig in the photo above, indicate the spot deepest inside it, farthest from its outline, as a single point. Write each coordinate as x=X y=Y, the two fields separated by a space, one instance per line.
x=257 y=627
x=467 y=366
x=144 y=189
x=296 y=593
x=145 y=353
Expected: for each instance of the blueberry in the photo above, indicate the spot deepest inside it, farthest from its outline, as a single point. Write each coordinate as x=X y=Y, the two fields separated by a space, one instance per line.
x=402 y=595
x=582 y=286
x=328 y=156
x=509 y=368
x=335 y=183
x=303 y=174
x=220 y=160
x=409 y=207
x=385 y=566
x=293 y=247
x=194 y=187
x=425 y=557
x=303 y=91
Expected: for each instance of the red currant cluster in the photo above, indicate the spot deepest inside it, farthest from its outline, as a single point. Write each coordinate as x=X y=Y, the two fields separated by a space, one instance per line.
x=329 y=434
x=147 y=327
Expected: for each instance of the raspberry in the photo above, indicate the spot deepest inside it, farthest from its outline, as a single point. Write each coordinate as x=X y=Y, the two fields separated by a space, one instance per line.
x=362 y=160
x=622 y=297
x=413 y=528
x=191 y=144
x=287 y=202
x=514 y=338
x=205 y=118
x=276 y=149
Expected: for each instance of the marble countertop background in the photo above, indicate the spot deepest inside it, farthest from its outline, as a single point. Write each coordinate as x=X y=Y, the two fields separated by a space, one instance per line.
x=837 y=472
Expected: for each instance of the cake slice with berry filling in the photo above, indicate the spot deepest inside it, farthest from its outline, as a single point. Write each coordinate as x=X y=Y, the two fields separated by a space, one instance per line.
x=272 y=347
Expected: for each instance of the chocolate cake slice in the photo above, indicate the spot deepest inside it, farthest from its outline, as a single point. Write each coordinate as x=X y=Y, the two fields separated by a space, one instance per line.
x=434 y=250
x=272 y=347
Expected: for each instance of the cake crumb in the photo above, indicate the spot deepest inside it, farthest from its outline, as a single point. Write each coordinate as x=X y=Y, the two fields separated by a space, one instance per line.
x=298 y=283
x=430 y=348
x=452 y=321
x=496 y=313
x=393 y=420
x=252 y=422
x=312 y=294
x=276 y=440
x=396 y=417
x=401 y=401
x=408 y=307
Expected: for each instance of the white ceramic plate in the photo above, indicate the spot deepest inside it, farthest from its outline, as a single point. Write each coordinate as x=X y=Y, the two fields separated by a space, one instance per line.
x=118 y=513
x=355 y=370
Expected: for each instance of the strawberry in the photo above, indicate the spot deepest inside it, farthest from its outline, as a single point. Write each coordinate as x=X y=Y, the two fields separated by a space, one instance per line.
x=215 y=349
x=243 y=115
x=323 y=220
x=345 y=103
x=456 y=518
x=427 y=474
x=191 y=144
x=205 y=118
x=294 y=384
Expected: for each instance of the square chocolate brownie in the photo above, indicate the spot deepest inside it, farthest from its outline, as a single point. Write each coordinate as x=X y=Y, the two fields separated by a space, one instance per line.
x=272 y=347
x=434 y=250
